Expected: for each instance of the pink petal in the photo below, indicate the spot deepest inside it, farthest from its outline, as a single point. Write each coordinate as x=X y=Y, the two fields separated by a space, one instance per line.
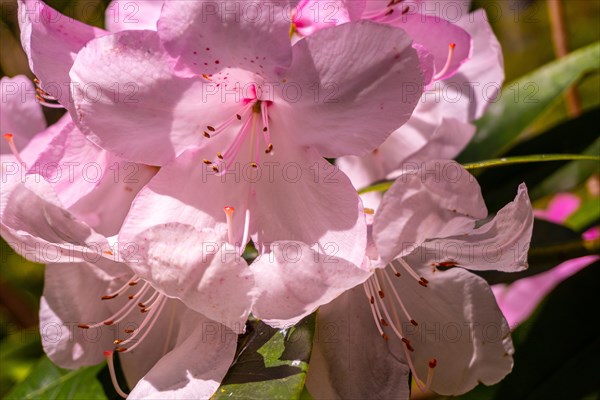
x=35 y=225
x=519 y=299
x=349 y=358
x=364 y=171
x=459 y=324
x=161 y=339
x=481 y=77
x=162 y=114
x=72 y=293
x=349 y=104
x=196 y=267
x=298 y=196
x=51 y=41
x=438 y=199
x=71 y=162
x=450 y=10
x=560 y=208
x=501 y=244
x=179 y=193
x=123 y=15
x=226 y=33
x=19 y=112
x=195 y=367
x=447 y=140
x=294 y=279
x=41 y=142
x=403 y=149
x=307 y=200
x=105 y=208
x=436 y=35
x=311 y=16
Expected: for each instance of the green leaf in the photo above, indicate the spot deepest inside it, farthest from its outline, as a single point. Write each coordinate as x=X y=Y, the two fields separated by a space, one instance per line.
x=551 y=244
x=19 y=352
x=574 y=136
x=271 y=363
x=47 y=381
x=524 y=100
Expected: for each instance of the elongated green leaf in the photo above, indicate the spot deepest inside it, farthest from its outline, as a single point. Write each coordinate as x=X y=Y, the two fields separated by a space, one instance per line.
x=47 y=381
x=534 y=158
x=573 y=136
x=525 y=100
x=271 y=364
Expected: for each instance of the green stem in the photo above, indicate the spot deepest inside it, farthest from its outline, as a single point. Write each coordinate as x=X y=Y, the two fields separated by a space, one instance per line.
x=498 y=162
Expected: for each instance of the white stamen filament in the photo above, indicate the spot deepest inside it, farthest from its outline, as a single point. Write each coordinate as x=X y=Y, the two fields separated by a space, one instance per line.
x=373 y=311
x=44 y=102
x=446 y=66
x=127 y=285
x=108 y=355
x=391 y=265
x=234 y=148
x=383 y=305
x=246 y=228
x=229 y=215
x=406 y=343
x=266 y=129
x=400 y=261
x=378 y=313
x=397 y=297
x=151 y=318
x=242 y=113
x=389 y=318
x=148 y=303
x=122 y=312
x=430 y=371
x=11 y=144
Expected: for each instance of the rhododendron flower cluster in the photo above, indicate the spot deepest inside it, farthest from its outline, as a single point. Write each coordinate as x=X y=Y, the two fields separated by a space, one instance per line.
x=229 y=119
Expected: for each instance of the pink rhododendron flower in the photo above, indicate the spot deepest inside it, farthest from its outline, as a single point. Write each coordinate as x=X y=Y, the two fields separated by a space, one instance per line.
x=88 y=289
x=434 y=37
x=65 y=223
x=92 y=183
x=440 y=126
x=235 y=69
x=213 y=108
x=519 y=299
x=467 y=78
x=39 y=227
x=20 y=116
x=51 y=40
x=166 y=350
x=424 y=240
